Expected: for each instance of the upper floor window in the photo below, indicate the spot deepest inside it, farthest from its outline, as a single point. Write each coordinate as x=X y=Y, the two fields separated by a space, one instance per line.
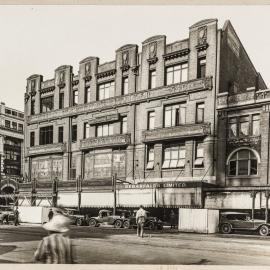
x=243 y=162
x=7 y=123
x=21 y=115
x=86 y=130
x=74 y=133
x=7 y=111
x=244 y=126
x=201 y=68
x=150 y=158
x=177 y=73
x=32 y=138
x=61 y=134
x=61 y=100
x=104 y=130
x=124 y=85
x=175 y=115
x=200 y=113
x=46 y=104
x=87 y=94
x=106 y=90
x=75 y=97
x=174 y=156
x=151 y=120
x=199 y=154
x=152 y=78
x=124 y=125
x=14 y=125
x=20 y=127
x=46 y=135
x=32 y=107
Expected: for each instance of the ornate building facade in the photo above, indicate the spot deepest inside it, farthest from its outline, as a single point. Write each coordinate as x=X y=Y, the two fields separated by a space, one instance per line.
x=150 y=119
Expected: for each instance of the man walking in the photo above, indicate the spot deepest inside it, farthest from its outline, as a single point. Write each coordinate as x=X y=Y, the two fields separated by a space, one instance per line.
x=50 y=215
x=16 y=216
x=140 y=220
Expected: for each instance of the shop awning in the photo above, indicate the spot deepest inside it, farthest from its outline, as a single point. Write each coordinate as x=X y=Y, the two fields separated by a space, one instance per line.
x=99 y=199
x=67 y=199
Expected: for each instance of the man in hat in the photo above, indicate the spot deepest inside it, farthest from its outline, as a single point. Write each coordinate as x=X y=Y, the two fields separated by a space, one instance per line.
x=16 y=216
x=50 y=215
x=55 y=248
x=140 y=220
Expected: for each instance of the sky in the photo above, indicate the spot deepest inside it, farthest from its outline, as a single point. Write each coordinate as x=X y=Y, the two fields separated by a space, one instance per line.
x=38 y=39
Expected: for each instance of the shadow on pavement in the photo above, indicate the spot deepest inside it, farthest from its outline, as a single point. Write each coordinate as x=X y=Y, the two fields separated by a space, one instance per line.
x=6 y=249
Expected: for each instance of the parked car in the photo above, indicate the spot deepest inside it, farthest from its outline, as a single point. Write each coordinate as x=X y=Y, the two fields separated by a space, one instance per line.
x=151 y=223
x=230 y=221
x=106 y=217
x=75 y=216
x=6 y=214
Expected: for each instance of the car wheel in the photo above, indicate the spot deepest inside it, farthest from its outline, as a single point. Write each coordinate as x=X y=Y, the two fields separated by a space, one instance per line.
x=126 y=224
x=118 y=223
x=152 y=226
x=160 y=227
x=226 y=228
x=92 y=222
x=78 y=222
x=264 y=230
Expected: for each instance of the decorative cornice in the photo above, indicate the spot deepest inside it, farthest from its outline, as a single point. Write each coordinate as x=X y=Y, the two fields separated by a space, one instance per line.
x=176 y=54
x=87 y=78
x=107 y=141
x=106 y=73
x=153 y=38
x=75 y=82
x=251 y=141
x=11 y=129
x=202 y=47
x=104 y=119
x=125 y=67
x=135 y=70
x=152 y=61
x=46 y=149
x=61 y=85
x=133 y=98
x=177 y=132
x=47 y=90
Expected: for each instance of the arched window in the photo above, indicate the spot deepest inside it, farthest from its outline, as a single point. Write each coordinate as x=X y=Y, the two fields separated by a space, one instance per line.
x=243 y=162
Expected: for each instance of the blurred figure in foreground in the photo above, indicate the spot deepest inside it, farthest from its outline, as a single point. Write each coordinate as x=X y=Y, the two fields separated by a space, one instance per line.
x=55 y=248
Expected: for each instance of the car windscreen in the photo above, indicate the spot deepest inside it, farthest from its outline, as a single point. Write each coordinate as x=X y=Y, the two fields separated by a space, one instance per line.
x=236 y=217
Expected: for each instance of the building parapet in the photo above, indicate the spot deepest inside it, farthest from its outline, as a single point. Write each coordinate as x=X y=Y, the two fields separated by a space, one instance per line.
x=114 y=140
x=134 y=98
x=46 y=149
x=177 y=132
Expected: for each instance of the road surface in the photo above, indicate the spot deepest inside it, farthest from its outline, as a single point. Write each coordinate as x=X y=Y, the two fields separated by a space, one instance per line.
x=121 y=246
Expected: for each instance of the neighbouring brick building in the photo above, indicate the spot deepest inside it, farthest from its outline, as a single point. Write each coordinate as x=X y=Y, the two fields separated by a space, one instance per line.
x=11 y=148
x=151 y=116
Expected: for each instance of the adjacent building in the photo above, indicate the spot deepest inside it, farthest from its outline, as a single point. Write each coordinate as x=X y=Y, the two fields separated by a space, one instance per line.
x=153 y=118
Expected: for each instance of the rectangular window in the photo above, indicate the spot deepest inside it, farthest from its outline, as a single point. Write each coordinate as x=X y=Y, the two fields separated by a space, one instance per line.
x=105 y=90
x=7 y=123
x=151 y=120
x=20 y=127
x=61 y=100
x=200 y=113
x=87 y=94
x=14 y=125
x=21 y=115
x=199 y=155
x=73 y=168
x=243 y=125
x=46 y=135
x=7 y=111
x=176 y=74
x=86 y=130
x=46 y=104
x=75 y=97
x=124 y=85
x=175 y=115
x=232 y=127
x=124 y=125
x=201 y=67
x=32 y=138
x=104 y=130
x=74 y=133
x=32 y=107
x=152 y=79
x=255 y=125
x=60 y=134
x=150 y=158
x=174 y=156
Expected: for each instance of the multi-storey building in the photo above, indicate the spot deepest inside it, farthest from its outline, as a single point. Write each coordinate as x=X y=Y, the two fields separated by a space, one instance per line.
x=149 y=118
x=11 y=148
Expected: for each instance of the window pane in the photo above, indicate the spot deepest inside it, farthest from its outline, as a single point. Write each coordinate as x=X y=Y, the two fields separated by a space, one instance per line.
x=99 y=131
x=110 y=129
x=105 y=130
x=181 y=163
x=169 y=77
x=150 y=165
x=232 y=130
x=184 y=75
x=174 y=153
x=151 y=155
x=253 y=167
x=255 y=125
x=167 y=154
x=182 y=116
x=173 y=163
x=166 y=164
x=177 y=76
x=243 y=129
x=182 y=153
x=168 y=117
x=243 y=154
x=232 y=167
x=243 y=167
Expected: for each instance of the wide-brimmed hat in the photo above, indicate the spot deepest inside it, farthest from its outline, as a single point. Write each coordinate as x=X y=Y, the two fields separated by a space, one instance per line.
x=58 y=223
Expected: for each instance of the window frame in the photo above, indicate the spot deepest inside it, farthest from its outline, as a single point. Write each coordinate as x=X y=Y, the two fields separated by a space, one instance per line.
x=176 y=68
x=110 y=88
x=150 y=162
x=61 y=100
x=198 y=121
x=75 y=97
x=103 y=127
x=152 y=79
x=46 y=135
x=60 y=134
x=201 y=67
x=87 y=94
x=151 y=115
x=74 y=133
x=124 y=127
x=50 y=101
x=174 y=115
x=125 y=85
x=32 y=138
x=169 y=160
x=86 y=130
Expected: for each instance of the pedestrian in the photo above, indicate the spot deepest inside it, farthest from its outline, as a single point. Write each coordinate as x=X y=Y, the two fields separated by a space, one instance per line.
x=56 y=248
x=140 y=220
x=50 y=215
x=16 y=216
x=172 y=219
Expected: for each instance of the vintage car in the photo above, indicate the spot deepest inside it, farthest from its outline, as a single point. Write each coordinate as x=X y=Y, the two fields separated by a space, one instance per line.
x=75 y=216
x=106 y=217
x=231 y=221
x=151 y=223
x=6 y=214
